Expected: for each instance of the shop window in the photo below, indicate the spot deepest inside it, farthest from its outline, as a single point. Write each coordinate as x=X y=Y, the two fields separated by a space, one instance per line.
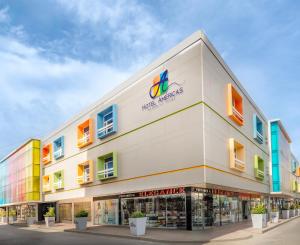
x=235 y=105
x=58 y=182
x=258 y=131
x=47 y=154
x=259 y=167
x=46 y=183
x=107 y=166
x=59 y=147
x=237 y=155
x=85 y=172
x=85 y=133
x=107 y=122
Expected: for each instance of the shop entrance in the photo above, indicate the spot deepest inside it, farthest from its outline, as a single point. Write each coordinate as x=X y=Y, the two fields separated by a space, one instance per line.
x=245 y=209
x=65 y=212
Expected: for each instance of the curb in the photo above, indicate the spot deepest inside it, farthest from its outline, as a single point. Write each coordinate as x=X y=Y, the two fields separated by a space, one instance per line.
x=158 y=240
x=278 y=224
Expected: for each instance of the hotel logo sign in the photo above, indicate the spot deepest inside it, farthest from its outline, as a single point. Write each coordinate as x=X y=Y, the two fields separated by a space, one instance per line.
x=162 y=91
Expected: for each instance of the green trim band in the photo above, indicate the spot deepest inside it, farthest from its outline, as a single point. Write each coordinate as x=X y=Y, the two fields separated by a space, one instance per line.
x=155 y=121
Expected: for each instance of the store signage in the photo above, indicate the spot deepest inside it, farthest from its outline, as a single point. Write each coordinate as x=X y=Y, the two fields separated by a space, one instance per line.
x=162 y=91
x=162 y=192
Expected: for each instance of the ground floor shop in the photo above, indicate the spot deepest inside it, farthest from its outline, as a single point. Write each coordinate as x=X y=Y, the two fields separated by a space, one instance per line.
x=18 y=213
x=179 y=208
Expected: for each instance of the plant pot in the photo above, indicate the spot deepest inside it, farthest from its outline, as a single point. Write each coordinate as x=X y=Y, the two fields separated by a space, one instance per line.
x=292 y=213
x=285 y=214
x=138 y=226
x=50 y=221
x=296 y=212
x=30 y=220
x=259 y=221
x=81 y=223
x=12 y=219
x=274 y=217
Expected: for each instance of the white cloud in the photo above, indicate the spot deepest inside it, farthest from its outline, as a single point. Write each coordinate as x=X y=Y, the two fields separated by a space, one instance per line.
x=4 y=17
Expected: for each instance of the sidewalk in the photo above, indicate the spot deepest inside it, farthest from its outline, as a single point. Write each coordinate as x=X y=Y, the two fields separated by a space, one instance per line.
x=231 y=232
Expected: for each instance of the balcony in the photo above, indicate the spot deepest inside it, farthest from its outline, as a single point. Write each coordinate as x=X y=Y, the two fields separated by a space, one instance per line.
x=237 y=114
x=107 y=166
x=46 y=188
x=85 y=172
x=235 y=105
x=107 y=122
x=46 y=183
x=58 y=153
x=58 y=185
x=46 y=154
x=259 y=174
x=259 y=167
x=85 y=133
x=236 y=155
x=259 y=136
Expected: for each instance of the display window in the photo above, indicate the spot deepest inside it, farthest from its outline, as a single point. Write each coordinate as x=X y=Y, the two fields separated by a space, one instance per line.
x=107 y=212
x=162 y=211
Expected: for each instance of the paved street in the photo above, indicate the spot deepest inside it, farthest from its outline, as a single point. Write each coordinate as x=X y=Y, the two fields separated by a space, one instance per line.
x=285 y=234
x=12 y=235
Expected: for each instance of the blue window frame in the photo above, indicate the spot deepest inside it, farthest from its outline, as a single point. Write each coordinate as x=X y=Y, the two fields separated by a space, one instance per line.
x=107 y=122
x=59 y=147
x=294 y=166
x=258 y=129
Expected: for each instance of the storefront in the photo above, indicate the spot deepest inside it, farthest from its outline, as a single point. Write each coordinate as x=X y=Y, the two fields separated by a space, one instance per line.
x=177 y=208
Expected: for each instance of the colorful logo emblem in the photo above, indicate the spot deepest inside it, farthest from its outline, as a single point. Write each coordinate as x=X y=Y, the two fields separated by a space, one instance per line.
x=160 y=85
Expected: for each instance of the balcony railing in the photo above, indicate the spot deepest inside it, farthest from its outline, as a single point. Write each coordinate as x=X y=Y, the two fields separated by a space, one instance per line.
x=239 y=164
x=237 y=113
x=106 y=128
x=109 y=172
x=83 y=178
x=83 y=140
x=46 y=158
x=260 y=173
x=46 y=187
x=58 y=184
x=58 y=153
x=260 y=136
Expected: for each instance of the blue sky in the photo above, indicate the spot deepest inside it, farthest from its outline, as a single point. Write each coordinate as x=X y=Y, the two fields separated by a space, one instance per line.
x=59 y=56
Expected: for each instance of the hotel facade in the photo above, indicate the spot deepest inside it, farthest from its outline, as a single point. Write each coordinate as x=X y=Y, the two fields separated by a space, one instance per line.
x=181 y=141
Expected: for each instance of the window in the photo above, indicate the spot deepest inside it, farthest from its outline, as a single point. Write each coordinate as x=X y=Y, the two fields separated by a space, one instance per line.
x=58 y=147
x=58 y=182
x=85 y=172
x=293 y=166
x=47 y=152
x=46 y=183
x=294 y=185
x=259 y=167
x=85 y=133
x=258 y=131
x=298 y=172
x=235 y=105
x=107 y=166
x=107 y=122
x=236 y=155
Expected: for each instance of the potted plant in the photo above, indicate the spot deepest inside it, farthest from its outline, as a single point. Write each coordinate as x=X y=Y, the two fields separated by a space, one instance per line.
x=292 y=211
x=30 y=215
x=50 y=217
x=285 y=212
x=12 y=216
x=81 y=220
x=2 y=216
x=259 y=216
x=296 y=209
x=137 y=223
x=274 y=215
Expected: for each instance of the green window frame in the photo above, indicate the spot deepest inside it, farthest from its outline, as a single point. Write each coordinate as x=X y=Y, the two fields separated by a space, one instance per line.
x=107 y=166
x=58 y=180
x=259 y=167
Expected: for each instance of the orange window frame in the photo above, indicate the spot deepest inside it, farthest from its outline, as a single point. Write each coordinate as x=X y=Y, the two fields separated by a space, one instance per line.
x=80 y=172
x=237 y=155
x=82 y=139
x=235 y=105
x=47 y=154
